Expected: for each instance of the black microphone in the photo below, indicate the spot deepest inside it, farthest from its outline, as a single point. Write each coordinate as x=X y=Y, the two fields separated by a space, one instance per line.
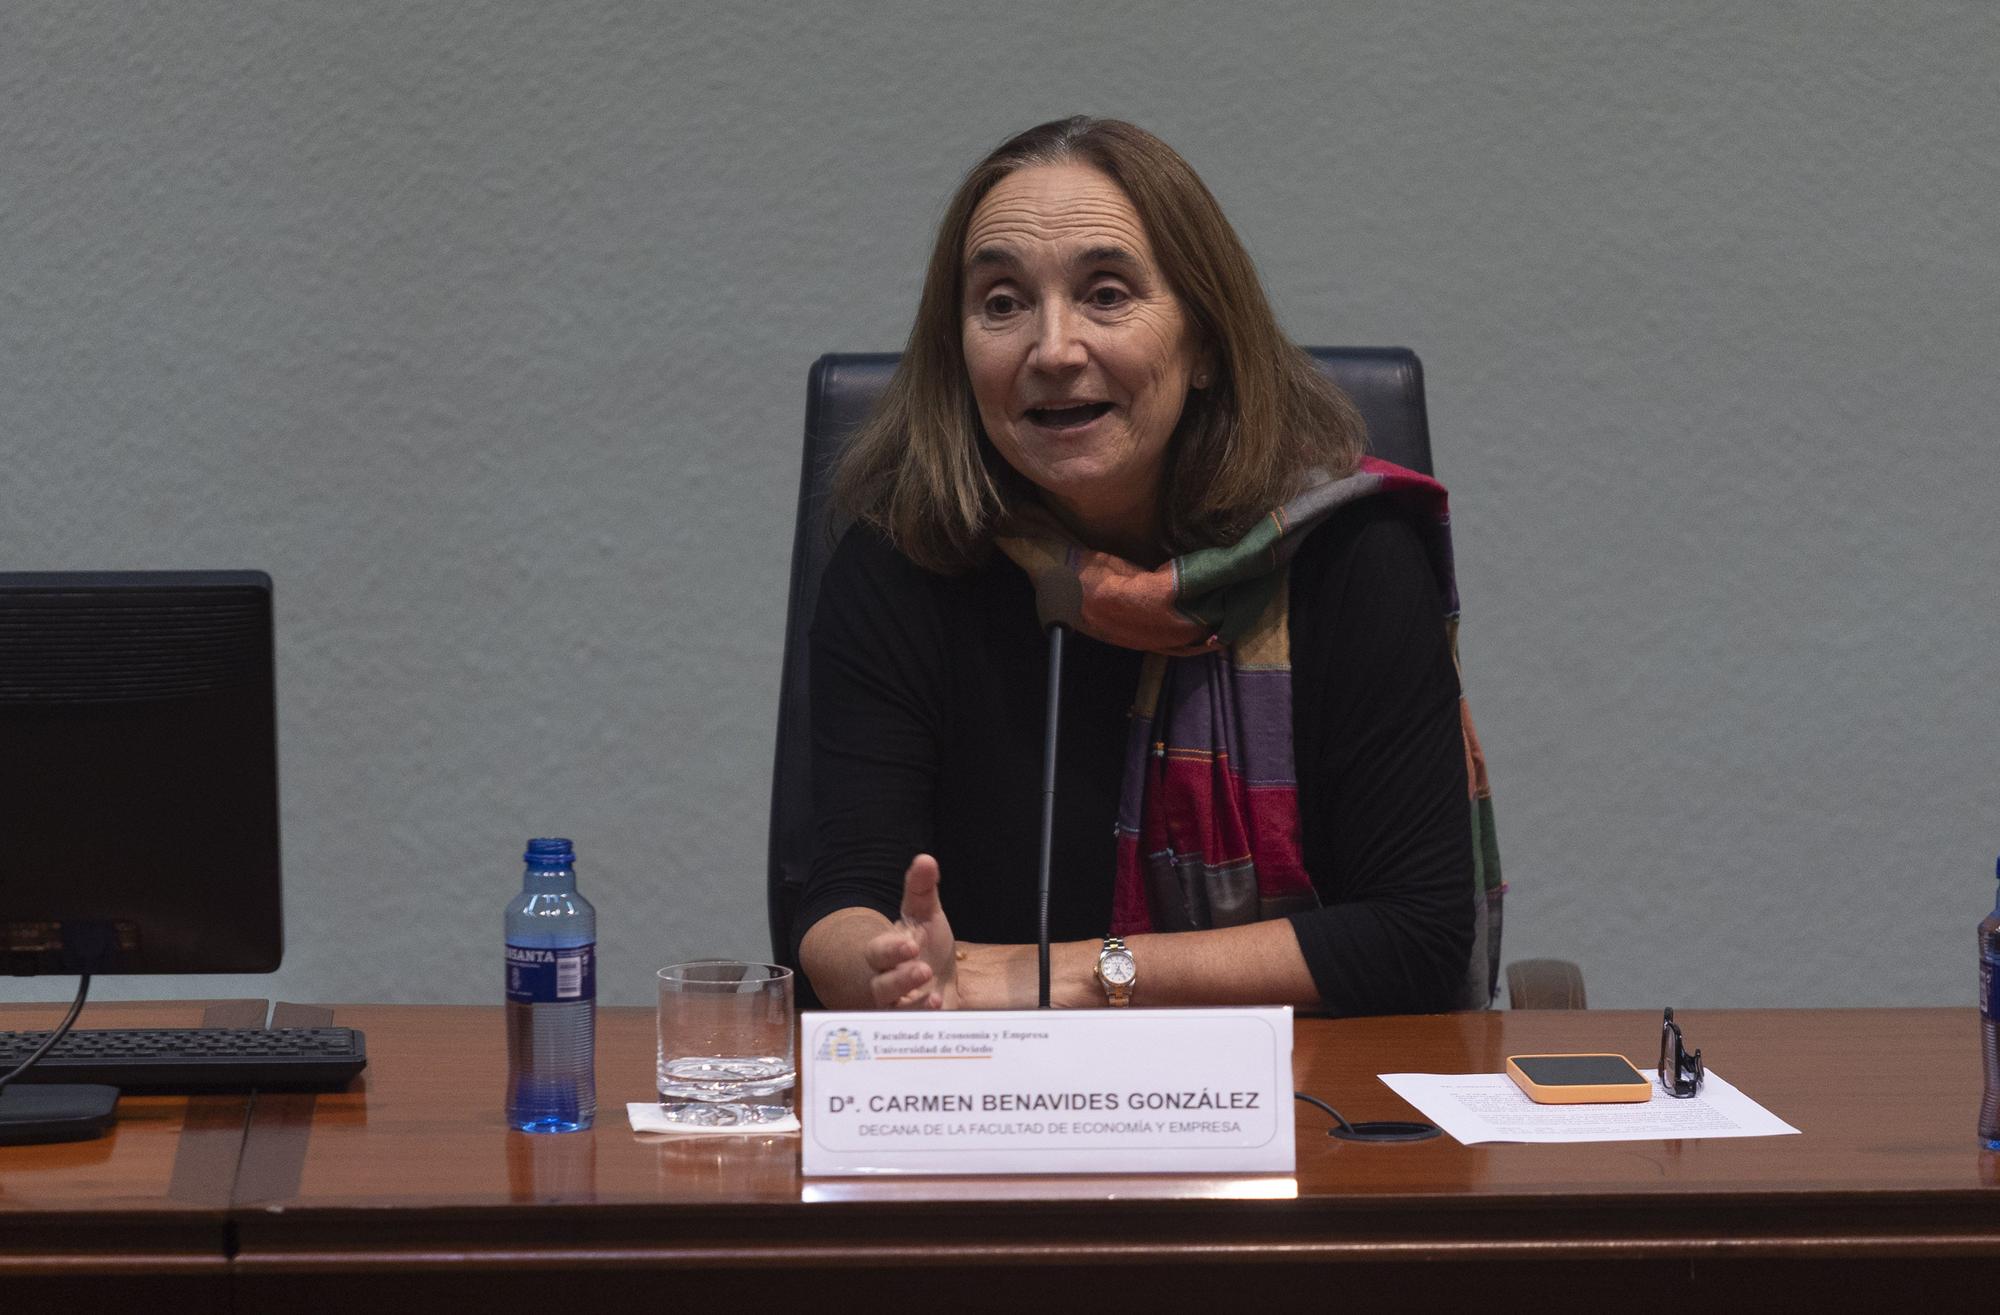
x=1058 y=600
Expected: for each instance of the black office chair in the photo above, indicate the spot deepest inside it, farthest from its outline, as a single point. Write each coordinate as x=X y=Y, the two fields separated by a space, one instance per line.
x=1386 y=385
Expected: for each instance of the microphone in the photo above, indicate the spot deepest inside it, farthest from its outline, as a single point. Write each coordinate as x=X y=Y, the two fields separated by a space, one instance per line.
x=1058 y=600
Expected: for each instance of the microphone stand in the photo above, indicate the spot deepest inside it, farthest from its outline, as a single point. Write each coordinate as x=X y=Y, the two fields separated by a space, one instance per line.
x=1049 y=801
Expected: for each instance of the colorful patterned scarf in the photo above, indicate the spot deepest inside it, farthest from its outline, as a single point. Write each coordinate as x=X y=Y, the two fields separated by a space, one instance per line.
x=1208 y=817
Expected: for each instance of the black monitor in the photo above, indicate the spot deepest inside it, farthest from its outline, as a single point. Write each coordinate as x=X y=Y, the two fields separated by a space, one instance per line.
x=138 y=773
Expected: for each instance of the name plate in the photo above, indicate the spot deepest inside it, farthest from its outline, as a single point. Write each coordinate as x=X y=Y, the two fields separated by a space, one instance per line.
x=1041 y=1091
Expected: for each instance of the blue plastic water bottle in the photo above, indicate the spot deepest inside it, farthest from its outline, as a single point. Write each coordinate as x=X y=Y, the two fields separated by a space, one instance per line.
x=551 y=996
x=1989 y=1023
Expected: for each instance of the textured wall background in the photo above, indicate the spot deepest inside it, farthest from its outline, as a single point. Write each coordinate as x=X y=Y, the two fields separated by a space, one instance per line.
x=483 y=327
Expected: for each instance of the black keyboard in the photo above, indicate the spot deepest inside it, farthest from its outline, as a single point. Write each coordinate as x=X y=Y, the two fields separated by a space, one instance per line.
x=193 y=1058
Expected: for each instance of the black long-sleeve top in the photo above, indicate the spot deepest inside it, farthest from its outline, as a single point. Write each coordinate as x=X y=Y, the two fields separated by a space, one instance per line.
x=928 y=697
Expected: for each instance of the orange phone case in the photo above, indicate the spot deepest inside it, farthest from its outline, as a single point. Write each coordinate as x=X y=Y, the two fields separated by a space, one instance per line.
x=1609 y=1093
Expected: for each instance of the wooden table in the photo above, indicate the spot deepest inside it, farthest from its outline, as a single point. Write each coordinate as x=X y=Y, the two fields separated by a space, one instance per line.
x=408 y=1184
x=407 y=1192
x=140 y=1216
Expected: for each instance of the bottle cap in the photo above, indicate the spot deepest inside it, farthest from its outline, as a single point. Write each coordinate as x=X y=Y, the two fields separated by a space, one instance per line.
x=550 y=853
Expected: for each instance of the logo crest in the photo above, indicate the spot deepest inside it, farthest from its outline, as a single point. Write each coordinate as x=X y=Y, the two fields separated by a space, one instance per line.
x=842 y=1045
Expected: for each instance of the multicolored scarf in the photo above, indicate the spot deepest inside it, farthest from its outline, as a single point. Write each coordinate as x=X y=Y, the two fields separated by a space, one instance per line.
x=1208 y=818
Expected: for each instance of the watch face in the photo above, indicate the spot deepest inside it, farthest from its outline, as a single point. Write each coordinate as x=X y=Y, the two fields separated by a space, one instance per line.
x=1117 y=967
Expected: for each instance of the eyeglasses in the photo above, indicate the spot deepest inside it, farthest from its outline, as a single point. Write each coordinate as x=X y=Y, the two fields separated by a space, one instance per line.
x=1680 y=1072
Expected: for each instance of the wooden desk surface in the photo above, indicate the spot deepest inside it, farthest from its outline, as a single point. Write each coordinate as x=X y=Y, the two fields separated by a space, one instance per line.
x=412 y=1172
x=407 y=1191
x=143 y=1209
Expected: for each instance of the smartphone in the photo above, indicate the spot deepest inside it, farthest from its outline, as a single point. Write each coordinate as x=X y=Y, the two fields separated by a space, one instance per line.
x=1579 y=1079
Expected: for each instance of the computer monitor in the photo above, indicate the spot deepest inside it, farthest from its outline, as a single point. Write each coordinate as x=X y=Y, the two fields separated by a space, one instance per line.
x=138 y=773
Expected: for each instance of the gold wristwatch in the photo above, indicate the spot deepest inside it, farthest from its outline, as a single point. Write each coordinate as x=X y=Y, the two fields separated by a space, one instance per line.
x=1116 y=971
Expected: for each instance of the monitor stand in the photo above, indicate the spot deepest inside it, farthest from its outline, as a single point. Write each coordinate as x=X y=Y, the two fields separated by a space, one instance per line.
x=62 y=1111
x=46 y=1112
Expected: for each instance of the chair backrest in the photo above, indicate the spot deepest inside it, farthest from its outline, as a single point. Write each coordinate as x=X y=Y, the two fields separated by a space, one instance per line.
x=1385 y=383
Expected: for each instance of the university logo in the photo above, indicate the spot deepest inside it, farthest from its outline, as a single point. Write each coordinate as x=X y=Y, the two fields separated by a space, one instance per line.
x=841 y=1045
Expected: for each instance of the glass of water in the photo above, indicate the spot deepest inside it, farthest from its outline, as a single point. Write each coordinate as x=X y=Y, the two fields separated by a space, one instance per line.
x=726 y=1034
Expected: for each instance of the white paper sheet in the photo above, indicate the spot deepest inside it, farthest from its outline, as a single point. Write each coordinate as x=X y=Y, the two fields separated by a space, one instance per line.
x=1488 y=1107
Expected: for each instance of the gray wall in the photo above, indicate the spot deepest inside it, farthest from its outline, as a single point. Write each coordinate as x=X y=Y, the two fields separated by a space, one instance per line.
x=483 y=327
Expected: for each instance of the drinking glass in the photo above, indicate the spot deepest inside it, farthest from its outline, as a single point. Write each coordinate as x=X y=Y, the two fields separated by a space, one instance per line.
x=726 y=1033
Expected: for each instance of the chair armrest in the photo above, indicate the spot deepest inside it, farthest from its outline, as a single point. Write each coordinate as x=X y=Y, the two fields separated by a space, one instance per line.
x=1544 y=984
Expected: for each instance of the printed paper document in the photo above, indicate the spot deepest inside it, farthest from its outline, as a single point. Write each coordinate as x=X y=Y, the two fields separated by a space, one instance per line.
x=1488 y=1107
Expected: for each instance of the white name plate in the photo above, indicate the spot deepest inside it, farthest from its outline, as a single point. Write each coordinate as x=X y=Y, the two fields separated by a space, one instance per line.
x=1041 y=1091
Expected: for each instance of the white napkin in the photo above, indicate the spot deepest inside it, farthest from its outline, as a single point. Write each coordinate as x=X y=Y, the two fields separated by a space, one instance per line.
x=646 y=1116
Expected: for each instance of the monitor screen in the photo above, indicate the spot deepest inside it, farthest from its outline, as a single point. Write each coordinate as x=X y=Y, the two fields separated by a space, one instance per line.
x=138 y=773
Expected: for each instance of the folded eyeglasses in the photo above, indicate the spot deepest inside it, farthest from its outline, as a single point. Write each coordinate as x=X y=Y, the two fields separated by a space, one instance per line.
x=1680 y=1072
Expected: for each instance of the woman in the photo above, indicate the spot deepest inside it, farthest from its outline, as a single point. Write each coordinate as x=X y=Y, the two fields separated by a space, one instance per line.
x=1096 y=401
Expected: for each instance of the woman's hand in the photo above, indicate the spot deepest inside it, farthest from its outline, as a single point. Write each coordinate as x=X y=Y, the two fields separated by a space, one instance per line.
x=915 y=963
x=919 y=964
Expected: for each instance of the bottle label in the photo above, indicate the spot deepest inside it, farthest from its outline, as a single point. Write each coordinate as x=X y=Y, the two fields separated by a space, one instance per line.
x=543 y=976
